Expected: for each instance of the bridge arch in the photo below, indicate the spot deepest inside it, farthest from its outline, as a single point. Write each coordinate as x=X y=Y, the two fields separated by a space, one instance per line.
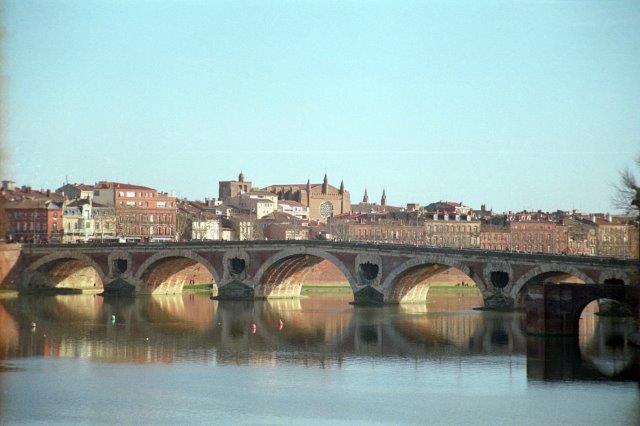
x=64 y=270
x=283 y=273
x=543 y=272
x=168 y=271
x=610 y=275
x=408 y=282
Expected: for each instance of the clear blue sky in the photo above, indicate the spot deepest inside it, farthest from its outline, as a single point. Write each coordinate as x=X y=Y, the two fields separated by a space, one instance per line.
x=513 y=104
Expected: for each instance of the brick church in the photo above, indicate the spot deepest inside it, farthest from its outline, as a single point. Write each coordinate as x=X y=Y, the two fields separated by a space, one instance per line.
x=323 y=200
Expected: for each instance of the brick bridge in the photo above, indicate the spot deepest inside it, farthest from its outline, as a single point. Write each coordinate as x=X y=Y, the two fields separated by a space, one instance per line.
x=377 y=273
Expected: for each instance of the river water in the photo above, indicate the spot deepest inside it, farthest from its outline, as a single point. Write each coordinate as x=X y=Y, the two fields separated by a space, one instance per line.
x=319 y=360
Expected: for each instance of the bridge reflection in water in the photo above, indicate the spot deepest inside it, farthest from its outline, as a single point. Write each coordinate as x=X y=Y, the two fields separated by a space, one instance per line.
x=321 y=331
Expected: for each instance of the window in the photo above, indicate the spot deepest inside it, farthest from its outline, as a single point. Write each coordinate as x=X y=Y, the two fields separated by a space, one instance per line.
x=131 y=194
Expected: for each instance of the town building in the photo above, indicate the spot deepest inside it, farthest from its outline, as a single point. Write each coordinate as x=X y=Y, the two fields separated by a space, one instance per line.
x=451 y=208
x=283 y=226
x=142 y=213
x=255 y=203
x=84 y=221
x=72 y=191
x=77 y=221
x=368 y=207
x=30 y=215
x=33 y=220
x=232 y=188
x=616 y=237
x=581 y=236
x=294 y=209
x=495 y=237
x=205 y=228
x=537 y=237
x=436 y=230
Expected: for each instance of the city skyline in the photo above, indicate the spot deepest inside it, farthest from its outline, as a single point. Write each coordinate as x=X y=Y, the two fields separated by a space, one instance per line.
x=517 y=106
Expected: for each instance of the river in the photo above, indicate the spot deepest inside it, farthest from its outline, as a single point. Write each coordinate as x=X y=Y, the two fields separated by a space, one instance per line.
x=318 y=360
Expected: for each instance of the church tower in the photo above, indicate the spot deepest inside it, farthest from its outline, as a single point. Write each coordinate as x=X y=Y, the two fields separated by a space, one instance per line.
x=308 y=192
x=241 y=177
x=365 y=198
x=325 y=185
x=383 y=199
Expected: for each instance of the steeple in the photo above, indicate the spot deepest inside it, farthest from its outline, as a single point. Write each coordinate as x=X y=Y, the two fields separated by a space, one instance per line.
x=342 y=187
x=365 y=198
x=325 y=184
x=241 y=177
x=383 y=199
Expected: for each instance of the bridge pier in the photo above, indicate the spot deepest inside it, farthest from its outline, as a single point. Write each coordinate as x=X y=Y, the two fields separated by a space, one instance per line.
x=368 y=296
x=554 y=309
x=235 y=290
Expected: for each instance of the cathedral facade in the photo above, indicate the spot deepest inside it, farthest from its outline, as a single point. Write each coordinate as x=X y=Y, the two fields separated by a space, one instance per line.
x=323 y=200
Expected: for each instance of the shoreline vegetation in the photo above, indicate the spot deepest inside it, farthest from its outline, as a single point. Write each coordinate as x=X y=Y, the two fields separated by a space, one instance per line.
x=436 y=288
x=315 y=288
x=4 y=292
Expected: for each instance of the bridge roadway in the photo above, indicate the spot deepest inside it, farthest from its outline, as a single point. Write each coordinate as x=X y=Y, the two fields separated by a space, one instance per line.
x=377 y=273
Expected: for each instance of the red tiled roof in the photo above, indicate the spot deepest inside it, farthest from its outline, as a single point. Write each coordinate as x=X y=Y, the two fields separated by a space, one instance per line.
x=290 y=203
x=119 y=185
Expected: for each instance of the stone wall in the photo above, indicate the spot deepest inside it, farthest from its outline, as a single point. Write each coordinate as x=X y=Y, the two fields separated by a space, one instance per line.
x=325 y=272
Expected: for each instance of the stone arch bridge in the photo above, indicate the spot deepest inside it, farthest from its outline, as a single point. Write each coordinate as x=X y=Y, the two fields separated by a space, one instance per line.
x=377 y=273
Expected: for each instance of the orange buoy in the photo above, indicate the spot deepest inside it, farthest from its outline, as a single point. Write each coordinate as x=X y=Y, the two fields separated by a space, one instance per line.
x=253 y=328
x=280 y=324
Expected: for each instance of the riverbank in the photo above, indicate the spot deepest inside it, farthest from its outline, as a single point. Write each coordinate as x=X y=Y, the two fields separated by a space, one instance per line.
x=197 y=288
x=6 y=293
x=340 y=288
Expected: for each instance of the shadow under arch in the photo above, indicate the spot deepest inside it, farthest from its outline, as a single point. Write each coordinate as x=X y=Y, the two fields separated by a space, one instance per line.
x=168 y=272
x=63 y=271
x=556 y=274
x=410 y=282
x=282 y=275
x=603 y=341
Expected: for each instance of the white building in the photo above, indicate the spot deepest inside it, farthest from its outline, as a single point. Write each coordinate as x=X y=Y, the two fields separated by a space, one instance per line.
x=260 y=203
x=294 y=208
x=77 y=221
x=205 y=229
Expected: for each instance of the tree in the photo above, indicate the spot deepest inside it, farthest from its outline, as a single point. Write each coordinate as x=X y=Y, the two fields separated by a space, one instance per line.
x=627 y=195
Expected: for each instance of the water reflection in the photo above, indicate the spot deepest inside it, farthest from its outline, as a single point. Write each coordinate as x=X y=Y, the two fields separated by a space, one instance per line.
x=321 y=331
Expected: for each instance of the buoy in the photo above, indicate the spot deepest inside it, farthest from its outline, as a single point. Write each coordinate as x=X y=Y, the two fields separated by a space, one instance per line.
x=280 y=324
x=146 y=339
x=253 y=328
x=113 y=318
x=33 y=325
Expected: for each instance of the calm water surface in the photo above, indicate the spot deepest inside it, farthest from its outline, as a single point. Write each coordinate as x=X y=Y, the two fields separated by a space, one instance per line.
x=187 y=359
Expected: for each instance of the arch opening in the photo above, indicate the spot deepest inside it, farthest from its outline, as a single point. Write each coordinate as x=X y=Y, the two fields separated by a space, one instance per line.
x=414 y=284
x=550 y=277
x=285 y=277
x=64 y=275
x=171 y=274
x=604 y=337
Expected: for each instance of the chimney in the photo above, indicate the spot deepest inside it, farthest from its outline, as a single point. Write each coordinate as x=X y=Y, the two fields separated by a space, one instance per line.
x=48 y=192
